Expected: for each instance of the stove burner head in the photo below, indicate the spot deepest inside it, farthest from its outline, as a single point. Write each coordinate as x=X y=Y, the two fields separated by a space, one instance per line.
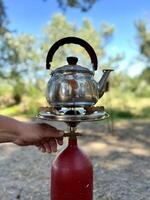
x=75 y=111
x=73 y=116
x=72 y=112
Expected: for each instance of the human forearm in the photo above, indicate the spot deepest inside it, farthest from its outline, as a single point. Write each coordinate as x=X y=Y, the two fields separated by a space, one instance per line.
x=8 y=129
x=44 y=136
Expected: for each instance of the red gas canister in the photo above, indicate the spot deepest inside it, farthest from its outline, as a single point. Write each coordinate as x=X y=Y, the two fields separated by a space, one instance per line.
x=72 y=174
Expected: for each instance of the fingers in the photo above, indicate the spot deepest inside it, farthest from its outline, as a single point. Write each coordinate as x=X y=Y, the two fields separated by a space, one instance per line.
x=50 y=145
x=49 y=138
x=47 y=147
x=53 y=144
x=60 y=140
x=42 y=148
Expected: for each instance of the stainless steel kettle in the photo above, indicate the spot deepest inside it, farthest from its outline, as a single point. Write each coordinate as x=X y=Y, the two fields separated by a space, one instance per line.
x=73 y=85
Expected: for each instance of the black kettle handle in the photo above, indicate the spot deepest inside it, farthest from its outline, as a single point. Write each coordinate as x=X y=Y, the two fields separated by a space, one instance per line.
x=74 y=40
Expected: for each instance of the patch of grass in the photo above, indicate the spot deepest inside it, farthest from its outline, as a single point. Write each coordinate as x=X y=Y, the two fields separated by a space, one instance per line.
x=146 y=112
x=16 y=111
x=125 y=105
x=119 y=105
x=115 y=113
x=11 y=111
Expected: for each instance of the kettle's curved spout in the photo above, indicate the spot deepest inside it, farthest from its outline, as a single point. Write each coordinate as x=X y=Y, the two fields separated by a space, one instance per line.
x=103 y=81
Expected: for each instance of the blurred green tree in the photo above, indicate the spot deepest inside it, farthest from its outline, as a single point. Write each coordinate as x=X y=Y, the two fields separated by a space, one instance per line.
x=144 y=39
x=145 y=75
x=16 y=52
x=3 y=17
x=17 y=55
x=59 y=27
x=143 y=79
x=24 y=55
x=3 y=30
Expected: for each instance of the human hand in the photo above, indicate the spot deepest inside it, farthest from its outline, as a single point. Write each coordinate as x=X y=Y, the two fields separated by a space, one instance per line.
x=44 y=136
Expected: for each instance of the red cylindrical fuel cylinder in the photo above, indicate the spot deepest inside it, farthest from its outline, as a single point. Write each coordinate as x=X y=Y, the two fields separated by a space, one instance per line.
x=72 y=175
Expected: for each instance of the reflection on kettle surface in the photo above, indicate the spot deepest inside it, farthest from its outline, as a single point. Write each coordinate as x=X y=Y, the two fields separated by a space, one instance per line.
x=73 y=85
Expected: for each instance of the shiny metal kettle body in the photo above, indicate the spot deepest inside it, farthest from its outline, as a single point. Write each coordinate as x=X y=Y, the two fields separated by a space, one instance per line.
x=73 y=85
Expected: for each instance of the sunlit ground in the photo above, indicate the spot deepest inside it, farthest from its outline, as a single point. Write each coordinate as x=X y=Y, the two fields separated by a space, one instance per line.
x=121 y=162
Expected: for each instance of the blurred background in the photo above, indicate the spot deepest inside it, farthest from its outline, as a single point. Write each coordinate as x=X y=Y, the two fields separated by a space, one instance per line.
x=119 y=147
x=119 y=33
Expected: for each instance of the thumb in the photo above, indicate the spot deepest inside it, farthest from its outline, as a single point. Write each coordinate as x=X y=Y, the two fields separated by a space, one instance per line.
x=53 y=133
x=50 y=131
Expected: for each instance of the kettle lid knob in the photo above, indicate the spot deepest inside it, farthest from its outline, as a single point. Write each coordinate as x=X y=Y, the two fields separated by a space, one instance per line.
x=72 y=60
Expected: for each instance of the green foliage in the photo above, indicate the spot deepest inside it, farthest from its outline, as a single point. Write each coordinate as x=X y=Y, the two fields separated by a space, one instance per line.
x=5 y=88
x=23 y=59
x=18 y=91
x=3 y=18
x=142 y=83
x=59 y=27
x=144 y=39
x=11 y=111
x=125 y=104
x=145 y=75
x=121 y=114
x=33 y=107
x=143 y=89
x=23 y=55
x=19 y=51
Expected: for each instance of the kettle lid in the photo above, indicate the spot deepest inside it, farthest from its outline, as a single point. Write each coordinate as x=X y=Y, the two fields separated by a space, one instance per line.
x=72 y=67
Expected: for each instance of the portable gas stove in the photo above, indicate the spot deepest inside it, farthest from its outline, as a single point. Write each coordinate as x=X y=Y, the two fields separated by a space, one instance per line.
x=91 y=113
x=72 y=93
x=72 y=116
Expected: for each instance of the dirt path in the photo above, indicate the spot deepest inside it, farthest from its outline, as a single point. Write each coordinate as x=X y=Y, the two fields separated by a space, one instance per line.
x=121 y=164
